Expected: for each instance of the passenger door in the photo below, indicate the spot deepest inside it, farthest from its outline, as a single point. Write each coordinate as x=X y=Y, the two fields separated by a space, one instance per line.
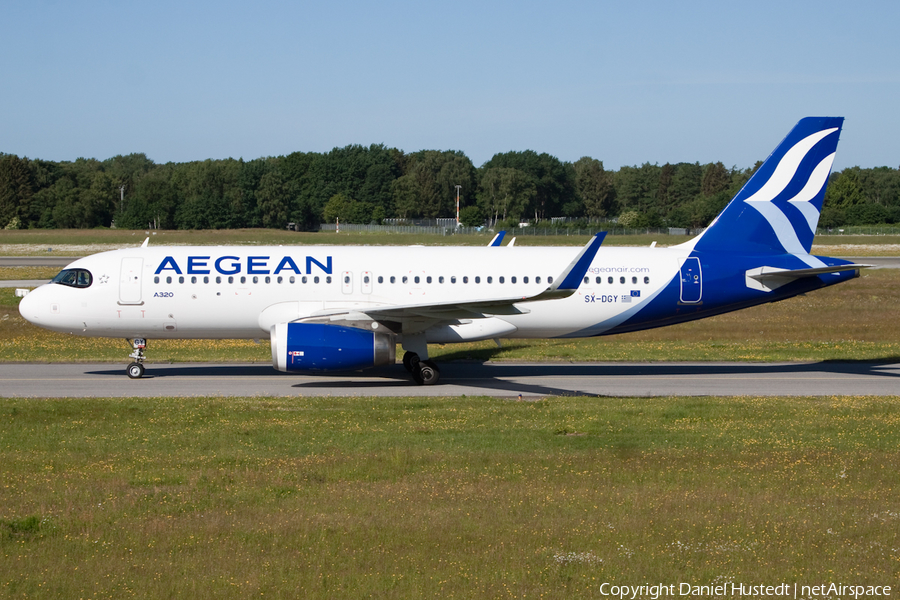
x=130 y=281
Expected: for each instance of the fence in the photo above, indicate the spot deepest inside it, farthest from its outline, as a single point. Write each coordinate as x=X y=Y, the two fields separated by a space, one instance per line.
x=583 y=231
x=860 y=230
x=518 y=232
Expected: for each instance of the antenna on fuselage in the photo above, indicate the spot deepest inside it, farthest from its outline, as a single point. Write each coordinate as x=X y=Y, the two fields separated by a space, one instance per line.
x=146 y=241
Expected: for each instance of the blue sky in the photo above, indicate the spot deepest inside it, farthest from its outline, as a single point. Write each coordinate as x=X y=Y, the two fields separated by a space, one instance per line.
x=623 y=82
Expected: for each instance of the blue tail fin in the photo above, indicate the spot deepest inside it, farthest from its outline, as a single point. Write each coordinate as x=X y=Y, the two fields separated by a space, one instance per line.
x=777 y=211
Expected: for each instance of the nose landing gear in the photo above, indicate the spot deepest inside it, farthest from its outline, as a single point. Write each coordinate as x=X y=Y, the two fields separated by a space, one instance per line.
x=136 y=369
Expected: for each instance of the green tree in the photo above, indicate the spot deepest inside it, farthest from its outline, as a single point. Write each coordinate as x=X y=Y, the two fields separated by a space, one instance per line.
x=506 y=193
x=152 y=202
x=716 y=178
x=686 y=185
x=844 y=190
x=471 y=216
x=416 y=193
x=16 y=189
x=553 y=180
x=636 y=187
x=427 y=187
x=274 y=199
x=594 y=187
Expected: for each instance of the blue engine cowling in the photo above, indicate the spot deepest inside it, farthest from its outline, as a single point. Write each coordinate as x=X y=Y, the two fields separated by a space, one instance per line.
x=321 y=347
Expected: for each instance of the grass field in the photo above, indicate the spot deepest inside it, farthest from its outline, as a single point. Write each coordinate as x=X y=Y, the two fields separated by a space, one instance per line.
x=450 y=498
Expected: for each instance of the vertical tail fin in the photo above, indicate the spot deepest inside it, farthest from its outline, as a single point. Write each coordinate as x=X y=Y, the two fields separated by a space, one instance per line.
x=777 y=211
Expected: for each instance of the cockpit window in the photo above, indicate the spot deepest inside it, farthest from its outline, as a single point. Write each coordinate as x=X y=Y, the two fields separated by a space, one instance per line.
x=79 y=278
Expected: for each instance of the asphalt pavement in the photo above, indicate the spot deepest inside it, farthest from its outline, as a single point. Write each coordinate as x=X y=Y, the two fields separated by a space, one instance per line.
x=530 y=380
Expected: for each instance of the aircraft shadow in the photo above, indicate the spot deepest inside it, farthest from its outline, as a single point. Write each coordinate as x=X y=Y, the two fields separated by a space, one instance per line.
x=511 y=379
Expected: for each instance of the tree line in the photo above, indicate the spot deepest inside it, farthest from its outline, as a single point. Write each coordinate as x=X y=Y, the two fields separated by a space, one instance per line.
x=365 y=184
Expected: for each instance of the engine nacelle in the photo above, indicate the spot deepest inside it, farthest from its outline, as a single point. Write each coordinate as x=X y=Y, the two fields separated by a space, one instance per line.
x=322 y=347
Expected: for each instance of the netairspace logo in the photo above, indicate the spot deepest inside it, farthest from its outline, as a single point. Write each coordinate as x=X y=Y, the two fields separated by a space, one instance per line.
x=795 y=591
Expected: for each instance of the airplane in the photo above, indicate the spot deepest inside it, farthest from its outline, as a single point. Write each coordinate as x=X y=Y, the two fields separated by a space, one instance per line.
x=342 y=308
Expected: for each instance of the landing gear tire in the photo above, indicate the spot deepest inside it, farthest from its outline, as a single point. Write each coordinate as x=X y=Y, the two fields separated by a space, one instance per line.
x=410 y=360
x=426 y=373
x=135 y=370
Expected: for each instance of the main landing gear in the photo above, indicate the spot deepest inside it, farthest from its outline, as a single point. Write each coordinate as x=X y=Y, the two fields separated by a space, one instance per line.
x=424 y=372
x=136 y=369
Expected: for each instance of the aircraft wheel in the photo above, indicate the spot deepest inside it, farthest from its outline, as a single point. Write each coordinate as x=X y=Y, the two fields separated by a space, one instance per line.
x=410 y=359
x=135 y=370
x=427 y=373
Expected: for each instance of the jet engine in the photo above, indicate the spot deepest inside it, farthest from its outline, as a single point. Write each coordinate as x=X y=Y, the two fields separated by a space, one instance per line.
x=323 y=347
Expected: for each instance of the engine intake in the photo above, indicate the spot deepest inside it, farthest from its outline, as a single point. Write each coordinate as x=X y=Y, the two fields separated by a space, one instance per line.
x=322 y=347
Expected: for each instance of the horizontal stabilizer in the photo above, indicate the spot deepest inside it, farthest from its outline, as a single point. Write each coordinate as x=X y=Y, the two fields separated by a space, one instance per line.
x=767 y=279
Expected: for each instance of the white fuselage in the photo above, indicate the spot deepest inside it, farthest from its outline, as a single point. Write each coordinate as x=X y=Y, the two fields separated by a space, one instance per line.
x=241 y=292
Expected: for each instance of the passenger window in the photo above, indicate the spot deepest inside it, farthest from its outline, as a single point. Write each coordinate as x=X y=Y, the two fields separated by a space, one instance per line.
x=218 y=279
x=346 y=279
x=328 y=279
x=169 y=279
x=587 y=279
x=417 y=279
x=181 y=279
x=634 y=280
x=599 y=280
x=428 y=279
x=501 y=280
x=537 y=279
x=646 y=280
x=466 y=279
x=549 y=280
x=269 y=279
x=393 y=279
x=380 y=279
x=316 y=279
x=490 y=279
x=156 y=279
x=525 y=279
x=304 y=279
x=477 y=279
x=610 y=280
x=441 y=279
x=255 y=279
x=206 y=279
x=453 y=279
x=405 y=279
x=230 y=279
x=621 y=280
x=243 y=279
x=512 y=279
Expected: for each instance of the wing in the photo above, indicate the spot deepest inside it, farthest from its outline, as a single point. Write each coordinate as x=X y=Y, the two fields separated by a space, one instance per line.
x=430 y=313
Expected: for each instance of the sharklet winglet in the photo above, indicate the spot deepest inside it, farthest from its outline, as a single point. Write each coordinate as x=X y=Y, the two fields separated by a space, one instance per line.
x=497 y=238
x=569 y=280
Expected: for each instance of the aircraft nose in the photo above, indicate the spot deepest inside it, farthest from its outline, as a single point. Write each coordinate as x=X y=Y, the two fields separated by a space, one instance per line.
x=29 y=306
